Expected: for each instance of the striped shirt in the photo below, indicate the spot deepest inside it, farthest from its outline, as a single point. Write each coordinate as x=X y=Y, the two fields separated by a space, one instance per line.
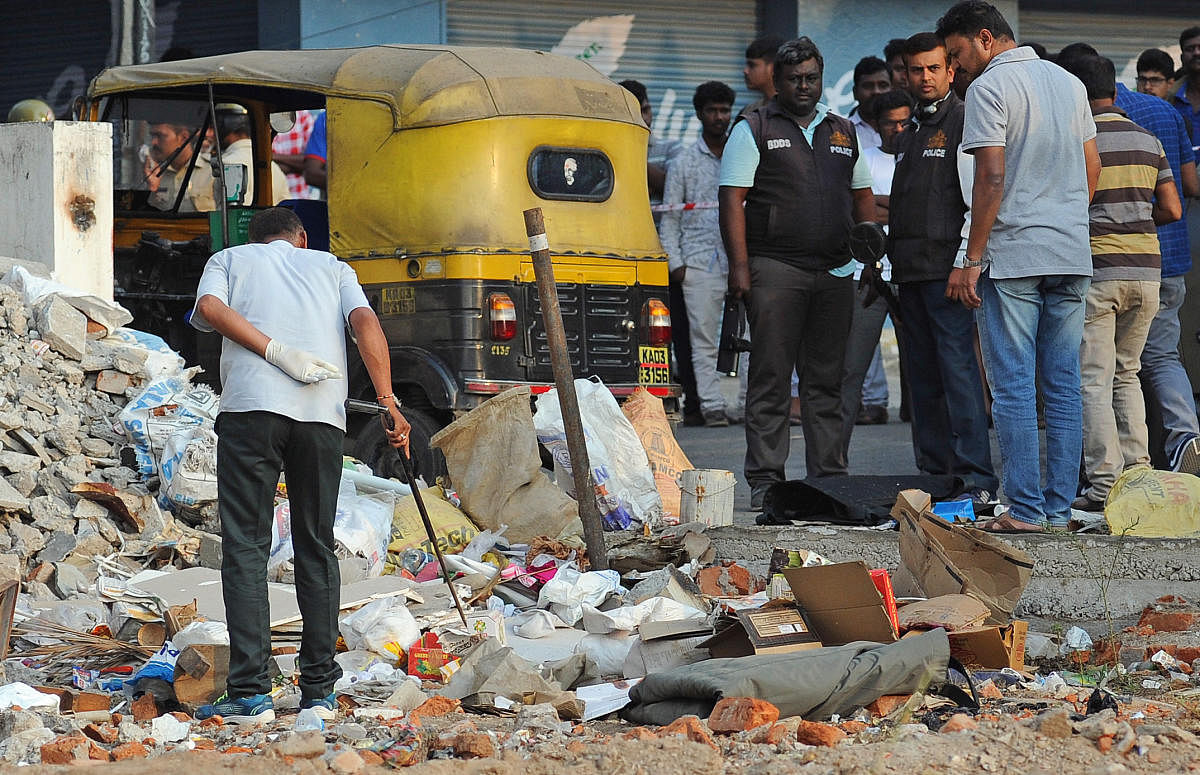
x=1132 y=164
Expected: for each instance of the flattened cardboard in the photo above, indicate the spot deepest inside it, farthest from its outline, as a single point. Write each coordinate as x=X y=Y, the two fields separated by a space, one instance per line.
x=991 y=647
x=774 y=630
x=950 y=612
x=841 y=602
x=674 y=628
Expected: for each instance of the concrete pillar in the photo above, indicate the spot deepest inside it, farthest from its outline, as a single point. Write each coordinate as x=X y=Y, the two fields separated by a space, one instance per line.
x=57 y=207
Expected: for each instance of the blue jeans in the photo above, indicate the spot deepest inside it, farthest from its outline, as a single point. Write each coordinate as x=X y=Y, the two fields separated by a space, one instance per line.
x=949 y=417
x=1030 y=329
x=1163 y=376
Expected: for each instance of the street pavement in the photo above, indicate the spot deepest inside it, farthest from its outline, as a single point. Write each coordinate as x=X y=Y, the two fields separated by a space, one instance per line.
x=874 y=449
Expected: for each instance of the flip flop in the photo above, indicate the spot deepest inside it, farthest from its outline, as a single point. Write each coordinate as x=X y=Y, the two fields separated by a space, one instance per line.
x=1004 y=526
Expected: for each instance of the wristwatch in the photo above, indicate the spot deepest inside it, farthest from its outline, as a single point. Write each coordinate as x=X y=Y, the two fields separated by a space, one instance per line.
x=969 y=264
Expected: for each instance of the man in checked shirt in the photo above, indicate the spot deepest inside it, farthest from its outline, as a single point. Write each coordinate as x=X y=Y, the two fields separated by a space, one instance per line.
x=692 y=240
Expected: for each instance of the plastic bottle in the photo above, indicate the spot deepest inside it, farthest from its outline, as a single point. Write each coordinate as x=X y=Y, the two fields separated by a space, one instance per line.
x=308 y=720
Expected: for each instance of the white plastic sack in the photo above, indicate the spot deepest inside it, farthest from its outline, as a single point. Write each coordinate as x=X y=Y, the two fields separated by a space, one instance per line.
x=202 y=634
x=566 y=593
x=607 y=651
x=630 y=617
x=362 y=525
x=383 y=627
x=25 y=696
x=625 y=489
x=189 y=466
x=164 y=407
x=536 y=623
x=161 y=360
x=32 y=289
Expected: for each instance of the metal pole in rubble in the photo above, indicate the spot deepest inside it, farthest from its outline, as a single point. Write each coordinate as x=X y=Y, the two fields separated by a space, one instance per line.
x=556 y=339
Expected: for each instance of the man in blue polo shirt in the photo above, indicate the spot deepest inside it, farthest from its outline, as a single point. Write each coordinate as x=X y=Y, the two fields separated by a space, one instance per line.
x=793 y=182
x=1187 y=93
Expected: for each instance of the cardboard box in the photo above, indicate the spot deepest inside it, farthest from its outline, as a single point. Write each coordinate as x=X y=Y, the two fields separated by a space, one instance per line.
x=489 y=624
x=778 y=629
x=426 y=658
x=991 y=647
x=841 y=602
x=950 y=612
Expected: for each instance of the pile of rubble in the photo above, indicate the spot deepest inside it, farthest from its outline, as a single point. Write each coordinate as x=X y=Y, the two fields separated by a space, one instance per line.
x=70 y=491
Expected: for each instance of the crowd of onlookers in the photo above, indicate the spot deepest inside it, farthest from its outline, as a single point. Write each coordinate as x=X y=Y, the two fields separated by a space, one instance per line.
x=1036 y=247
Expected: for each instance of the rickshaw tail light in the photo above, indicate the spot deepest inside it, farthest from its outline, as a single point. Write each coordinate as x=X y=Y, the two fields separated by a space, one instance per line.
x=503 y=315
x=656 y=323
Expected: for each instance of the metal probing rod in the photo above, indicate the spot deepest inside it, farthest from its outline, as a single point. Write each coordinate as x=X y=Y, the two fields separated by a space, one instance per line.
x=370 y=407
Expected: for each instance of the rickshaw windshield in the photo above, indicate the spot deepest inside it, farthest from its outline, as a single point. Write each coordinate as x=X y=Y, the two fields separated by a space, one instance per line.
x=161 y=149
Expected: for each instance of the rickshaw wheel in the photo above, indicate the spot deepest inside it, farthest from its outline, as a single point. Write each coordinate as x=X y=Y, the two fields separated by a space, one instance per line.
x=372 y=448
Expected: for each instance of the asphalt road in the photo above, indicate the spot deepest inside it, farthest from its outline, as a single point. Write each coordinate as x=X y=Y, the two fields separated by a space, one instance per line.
x=874 y=449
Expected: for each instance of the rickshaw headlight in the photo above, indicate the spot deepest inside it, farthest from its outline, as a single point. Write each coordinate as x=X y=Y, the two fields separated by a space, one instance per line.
x=656 y=323
x=503 y=315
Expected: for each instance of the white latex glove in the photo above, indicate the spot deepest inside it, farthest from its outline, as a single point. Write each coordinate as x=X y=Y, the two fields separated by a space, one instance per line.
x=298 y=364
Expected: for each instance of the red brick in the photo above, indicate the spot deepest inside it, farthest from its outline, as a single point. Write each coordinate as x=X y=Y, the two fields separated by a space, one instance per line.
x=89 y=701
x=887 y=703
x=816 y=733
x=1187 y=654
x=66 y=749
x=204 y=744
x=989 y=691
x=370 y=758
x=1171 y=600
x=434 y=707
x=96 y=753
x=1168 y=621
x=144 y=708
x=131 y=750
x=782 y=732
x=1169 y=648
x=1107 y=652
x=639 y=733
x=690 y=727
x=116 y=719
x=473 y=745
x=852 y=727
x=101 y=733
x=244 y=749
x=1104 y=744
x=576 y=747
x=959 y=722
x=727 y=580
x=738 y=714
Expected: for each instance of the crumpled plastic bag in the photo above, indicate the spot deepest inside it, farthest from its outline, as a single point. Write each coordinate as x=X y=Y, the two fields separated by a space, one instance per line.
x=536 y=623
x=566 y=593
x=608 y=652
x=656 y=609
x=384 y=627
x=202 y=634
x=624 y=483
x=362 y=526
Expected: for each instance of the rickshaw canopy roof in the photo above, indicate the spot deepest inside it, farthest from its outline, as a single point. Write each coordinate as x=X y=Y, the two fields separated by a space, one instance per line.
x=422 y=85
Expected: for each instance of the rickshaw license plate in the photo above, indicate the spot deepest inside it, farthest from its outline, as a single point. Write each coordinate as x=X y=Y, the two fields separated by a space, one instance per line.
x=652 y=366
x=398 y=301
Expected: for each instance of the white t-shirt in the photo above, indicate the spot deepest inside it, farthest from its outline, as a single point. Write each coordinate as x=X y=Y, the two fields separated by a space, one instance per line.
x=302 y=297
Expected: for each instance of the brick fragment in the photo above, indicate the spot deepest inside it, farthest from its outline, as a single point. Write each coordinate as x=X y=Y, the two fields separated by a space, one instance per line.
x=852 y=727
x=726 y=580
x=101 y=733
x=1169 y=613
x=66 y=749
x=639 y=733
x=1104 y=744
x=690 y=727
x=959 y=722
x=434 y=707
x=130 y=750
x=96 y=753
x=370 y=758
x=816 y=733
x=738 y=714
x=144 y=708
x=473 y=745
x=989 y=691
x=886 y=704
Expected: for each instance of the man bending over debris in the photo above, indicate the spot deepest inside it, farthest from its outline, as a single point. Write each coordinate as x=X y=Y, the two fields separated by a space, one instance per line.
x=282 y=408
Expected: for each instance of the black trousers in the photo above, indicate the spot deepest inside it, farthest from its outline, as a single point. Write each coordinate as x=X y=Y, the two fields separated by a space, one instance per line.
x=799 y=319
x=681 y=341
x=252 y=448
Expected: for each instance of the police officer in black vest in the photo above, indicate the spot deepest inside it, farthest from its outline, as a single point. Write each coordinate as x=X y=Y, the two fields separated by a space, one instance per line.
x=792 y=185
x=929 y=224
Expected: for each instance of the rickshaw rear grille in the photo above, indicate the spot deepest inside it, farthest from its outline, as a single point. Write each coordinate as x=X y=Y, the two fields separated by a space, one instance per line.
x=595 y=315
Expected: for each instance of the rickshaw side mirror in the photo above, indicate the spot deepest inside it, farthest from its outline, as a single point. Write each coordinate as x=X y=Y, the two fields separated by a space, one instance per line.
x=283 y=121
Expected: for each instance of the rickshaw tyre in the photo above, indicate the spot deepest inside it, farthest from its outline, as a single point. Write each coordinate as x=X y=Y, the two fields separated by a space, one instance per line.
x=371 y=447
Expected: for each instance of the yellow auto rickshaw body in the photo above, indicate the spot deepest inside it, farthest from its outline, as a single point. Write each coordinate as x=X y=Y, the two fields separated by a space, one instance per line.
x=433 y=154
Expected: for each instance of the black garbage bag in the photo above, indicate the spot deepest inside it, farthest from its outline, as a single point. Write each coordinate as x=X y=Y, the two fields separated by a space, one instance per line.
x=848 y=500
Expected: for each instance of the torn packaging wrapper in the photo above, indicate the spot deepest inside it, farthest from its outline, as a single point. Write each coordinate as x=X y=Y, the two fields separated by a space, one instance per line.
x=946 y=559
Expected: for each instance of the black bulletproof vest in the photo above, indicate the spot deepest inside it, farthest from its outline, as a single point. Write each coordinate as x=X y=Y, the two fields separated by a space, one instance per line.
x=926 y=209
x=799 y=210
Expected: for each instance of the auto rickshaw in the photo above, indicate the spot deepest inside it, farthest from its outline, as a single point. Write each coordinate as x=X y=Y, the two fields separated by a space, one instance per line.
x=434 y=152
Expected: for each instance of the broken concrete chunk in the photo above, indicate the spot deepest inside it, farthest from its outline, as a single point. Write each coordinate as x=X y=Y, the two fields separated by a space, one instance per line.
x=11 y=500
x=115 y=382
x=68 y=581
x=15 y=462
x=61 y=326
x=33 y=402
x=58 y=547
